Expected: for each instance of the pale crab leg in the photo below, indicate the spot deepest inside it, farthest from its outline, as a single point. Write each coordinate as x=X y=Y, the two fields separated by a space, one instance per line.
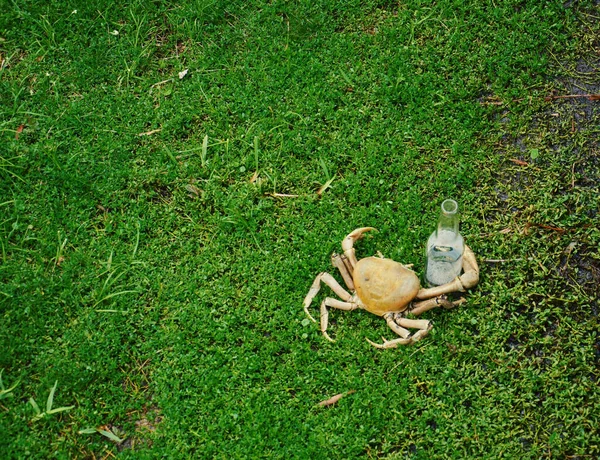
x=422 y=324
x=340 y=261
x=394 y=325
x=467 y=280
x=348 y=243
x=394 y=322
x=334 y=303
x=390 y=343
x=429 y=304
x=316 y=286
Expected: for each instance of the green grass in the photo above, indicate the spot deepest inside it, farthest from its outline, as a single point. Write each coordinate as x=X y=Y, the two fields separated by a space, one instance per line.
x=158 y=234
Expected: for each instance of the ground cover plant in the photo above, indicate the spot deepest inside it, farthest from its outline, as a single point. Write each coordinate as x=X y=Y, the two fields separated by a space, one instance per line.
x=175 y=175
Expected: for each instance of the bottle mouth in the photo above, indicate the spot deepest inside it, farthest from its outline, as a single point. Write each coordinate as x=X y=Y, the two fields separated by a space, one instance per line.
x=449 y=207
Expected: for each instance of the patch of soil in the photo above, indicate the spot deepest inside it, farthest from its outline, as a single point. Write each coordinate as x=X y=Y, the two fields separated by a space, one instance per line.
x=561 y=140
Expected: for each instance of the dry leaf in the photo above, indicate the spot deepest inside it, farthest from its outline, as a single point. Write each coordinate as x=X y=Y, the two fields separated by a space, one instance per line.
x=569 y=249
x=325 y=186
x=519 y=162
x=334 y=399
x=19 y=131
x=254 y=177
x=506 y=230
x=193 y=189
x=183 y=73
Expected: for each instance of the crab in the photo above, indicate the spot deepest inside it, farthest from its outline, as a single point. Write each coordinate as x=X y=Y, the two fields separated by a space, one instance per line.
x=389 y=289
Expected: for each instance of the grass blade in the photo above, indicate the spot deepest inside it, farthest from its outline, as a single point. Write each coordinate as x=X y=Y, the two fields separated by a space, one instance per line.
x=204 y=151
x=5 y=393
x=114 y=294
x=50 y=400
x=172 y=157
x=110 y=435
x=36 y=408
x=256 y=152
x=106 y=433
x=325 y=186
x=59 y=409
x=87 y=431
x=137 y=241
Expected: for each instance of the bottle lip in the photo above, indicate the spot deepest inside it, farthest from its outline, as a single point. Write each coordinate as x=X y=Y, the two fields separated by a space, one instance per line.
x=449 y=207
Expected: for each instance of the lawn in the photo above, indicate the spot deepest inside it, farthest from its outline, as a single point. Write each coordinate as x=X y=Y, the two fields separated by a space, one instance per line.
x=174 y=176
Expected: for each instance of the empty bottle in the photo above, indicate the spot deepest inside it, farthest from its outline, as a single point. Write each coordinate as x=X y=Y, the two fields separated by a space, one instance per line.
x=445 y=247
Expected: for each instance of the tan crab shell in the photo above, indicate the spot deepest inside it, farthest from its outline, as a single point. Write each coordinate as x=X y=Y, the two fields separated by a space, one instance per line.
x=384 y=285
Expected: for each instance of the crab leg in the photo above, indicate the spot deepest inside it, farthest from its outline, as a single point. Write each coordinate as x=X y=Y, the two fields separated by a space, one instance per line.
x=390 y=319
x=467 y=280
x=421 y=324
x=316 y=286
x=348 y=243
x=429 y=304
x=340 y=261
x=395 y=322
x=334 y=303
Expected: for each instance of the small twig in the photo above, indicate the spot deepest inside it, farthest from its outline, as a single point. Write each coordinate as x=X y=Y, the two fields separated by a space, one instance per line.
x=518 y=162
x=161 y=82
x=283 y=195
x=411 y=355
x=550 y=227
x=498 y=261
x=334 y=399
x=544 y=226
x=108 y=454
x=591 y=97
x=149 y=133
x=573 y=174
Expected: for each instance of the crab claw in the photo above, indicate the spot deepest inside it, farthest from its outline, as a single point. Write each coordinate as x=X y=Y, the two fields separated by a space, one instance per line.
x=348 y=243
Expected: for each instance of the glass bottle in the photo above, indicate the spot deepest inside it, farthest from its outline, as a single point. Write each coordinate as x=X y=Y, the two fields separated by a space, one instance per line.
x=445 y=247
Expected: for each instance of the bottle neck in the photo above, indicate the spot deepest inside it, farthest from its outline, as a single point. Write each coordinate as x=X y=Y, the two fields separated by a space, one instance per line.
x=449 y=218
x=448 y=223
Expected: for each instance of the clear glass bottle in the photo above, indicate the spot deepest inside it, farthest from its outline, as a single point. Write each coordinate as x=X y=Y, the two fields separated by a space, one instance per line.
x=445 y=247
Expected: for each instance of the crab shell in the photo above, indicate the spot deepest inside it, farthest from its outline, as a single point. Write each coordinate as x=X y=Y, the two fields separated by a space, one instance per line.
x=384 y=285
